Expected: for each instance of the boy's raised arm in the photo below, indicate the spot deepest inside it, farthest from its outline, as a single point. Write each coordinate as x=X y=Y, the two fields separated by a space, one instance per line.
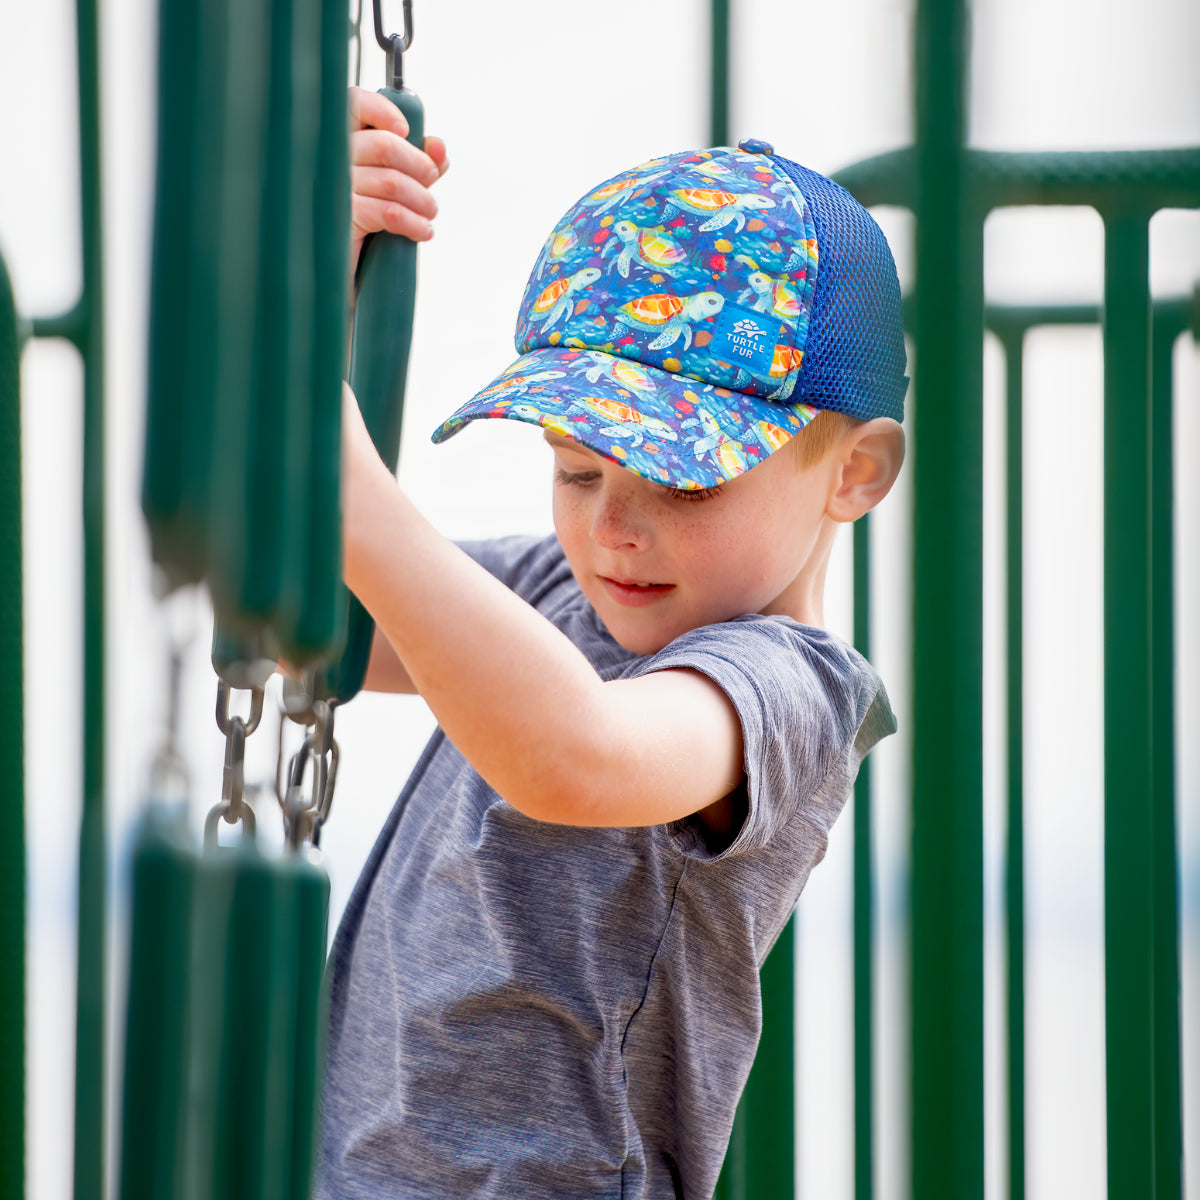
x=514 y=695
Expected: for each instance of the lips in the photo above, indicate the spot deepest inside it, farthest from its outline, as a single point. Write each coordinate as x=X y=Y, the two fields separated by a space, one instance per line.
x=633 y=592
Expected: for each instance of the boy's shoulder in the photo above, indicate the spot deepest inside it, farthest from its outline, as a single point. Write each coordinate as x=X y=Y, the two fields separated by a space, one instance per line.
x=526 y=563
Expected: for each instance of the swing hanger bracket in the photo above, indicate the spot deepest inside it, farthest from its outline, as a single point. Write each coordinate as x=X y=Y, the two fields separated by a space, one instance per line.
x=394 y=44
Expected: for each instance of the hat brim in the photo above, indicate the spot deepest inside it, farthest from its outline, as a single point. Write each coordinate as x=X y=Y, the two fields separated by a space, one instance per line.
x=666 y=428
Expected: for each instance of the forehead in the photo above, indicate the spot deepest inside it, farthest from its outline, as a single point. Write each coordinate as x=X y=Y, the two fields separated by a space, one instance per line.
x=556 y=441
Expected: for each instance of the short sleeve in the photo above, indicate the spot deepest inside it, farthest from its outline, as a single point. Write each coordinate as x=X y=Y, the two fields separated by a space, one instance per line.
x=507 y=558
x=810 y=708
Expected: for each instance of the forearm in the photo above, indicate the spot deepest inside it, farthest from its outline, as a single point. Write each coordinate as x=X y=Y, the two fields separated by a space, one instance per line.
x=499 y=678
x=385 y=671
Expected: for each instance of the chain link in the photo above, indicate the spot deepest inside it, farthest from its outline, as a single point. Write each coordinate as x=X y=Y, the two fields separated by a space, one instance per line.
x=232 y=807
x=305 y=813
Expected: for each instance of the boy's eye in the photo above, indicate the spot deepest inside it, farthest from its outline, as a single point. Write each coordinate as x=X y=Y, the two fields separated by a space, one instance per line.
x=692 y=493
x=575 y=479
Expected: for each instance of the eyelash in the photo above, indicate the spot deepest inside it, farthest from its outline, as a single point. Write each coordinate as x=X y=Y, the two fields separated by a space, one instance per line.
x=584 y=478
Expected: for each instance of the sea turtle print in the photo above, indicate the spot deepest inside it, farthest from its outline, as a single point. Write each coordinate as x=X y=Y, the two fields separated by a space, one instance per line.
x=617 y=191
x=555 y=301
x=628 y=421
x=785 y=361
x=720 y=208
x=652 y=247
x=668 y=316
x=771 y=295
x=635 y=311
x=655 y=261
x=559 y=244
x=518 y=380
x=595 y=365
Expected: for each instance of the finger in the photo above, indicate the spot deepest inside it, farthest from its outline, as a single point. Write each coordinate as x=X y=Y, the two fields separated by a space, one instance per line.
x=382 y=184
x=372 y=110
x=372 y=215
x=378 y=148
x=436 y=149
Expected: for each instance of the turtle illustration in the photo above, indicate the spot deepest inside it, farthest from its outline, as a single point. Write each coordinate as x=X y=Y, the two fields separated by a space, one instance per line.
x=787 y=190
x=784 y=361
x=804 y=251
x=512 y=381
x=554 y=303
x=560 y=243
x=619 y=370
x=668 y=315
x=720 y=207
x=729 y=452
x=776 y=296
x=630 y=423
x=616 y=192
x=716 y=170
x=651 y=246
x=771 y=436
x=536 y=416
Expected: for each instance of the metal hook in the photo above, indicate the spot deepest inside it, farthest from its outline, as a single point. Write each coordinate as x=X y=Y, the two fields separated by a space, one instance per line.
x=394 y=44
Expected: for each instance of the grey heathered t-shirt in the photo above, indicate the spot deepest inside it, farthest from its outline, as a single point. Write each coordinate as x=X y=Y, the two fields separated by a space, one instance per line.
x=529 y=1011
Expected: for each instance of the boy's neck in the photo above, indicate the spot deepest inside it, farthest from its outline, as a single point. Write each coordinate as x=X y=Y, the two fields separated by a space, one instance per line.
x=804 y=598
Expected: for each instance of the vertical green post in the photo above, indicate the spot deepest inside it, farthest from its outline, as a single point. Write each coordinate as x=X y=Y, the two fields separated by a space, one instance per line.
x=1168 y=1116
x=718 y=110
x=761 y=1162
x=12 y=753
x=1014 y=865
x=1128 y=714
x=90 y=1025
x=947 y=840
x=864 y=902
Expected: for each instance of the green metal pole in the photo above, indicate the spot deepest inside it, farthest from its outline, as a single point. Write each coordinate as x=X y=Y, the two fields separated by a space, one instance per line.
x=1168 y=1117
x=12 y=751
x=761 y=1161
x=1014 y=879
x=718 y=111
x=864 y=902
x=1128 y=715
x=947 y=839
x=92 y=907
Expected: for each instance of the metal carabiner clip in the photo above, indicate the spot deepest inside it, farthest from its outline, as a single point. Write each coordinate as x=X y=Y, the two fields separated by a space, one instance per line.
x=394 y=44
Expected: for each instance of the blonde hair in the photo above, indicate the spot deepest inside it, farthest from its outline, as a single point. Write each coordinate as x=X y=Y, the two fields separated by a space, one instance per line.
x=819 y=436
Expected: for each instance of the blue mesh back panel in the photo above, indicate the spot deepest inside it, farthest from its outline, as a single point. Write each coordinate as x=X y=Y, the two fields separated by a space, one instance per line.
x=854 y=358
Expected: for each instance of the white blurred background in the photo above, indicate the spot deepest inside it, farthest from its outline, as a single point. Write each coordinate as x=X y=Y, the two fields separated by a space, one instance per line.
x=540 y=100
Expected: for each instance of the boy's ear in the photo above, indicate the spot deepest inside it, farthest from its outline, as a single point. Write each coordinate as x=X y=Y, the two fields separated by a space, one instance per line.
x=870 y=456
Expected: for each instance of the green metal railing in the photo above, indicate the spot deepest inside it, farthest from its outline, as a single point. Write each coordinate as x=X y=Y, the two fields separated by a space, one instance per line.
x=12 y=746
x=951 y=188
x=83 y=326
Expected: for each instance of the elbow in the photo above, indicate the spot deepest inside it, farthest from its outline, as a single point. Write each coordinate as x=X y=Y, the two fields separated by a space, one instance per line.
x=586 y=787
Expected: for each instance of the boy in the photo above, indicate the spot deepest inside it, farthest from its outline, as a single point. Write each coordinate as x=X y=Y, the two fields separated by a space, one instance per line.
x=546 y=982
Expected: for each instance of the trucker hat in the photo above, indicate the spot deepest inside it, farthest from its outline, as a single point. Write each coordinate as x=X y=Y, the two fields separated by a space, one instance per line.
x=691 y=315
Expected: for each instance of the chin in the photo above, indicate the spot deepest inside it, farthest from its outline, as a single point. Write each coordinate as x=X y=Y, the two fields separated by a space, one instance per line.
x=638 y=641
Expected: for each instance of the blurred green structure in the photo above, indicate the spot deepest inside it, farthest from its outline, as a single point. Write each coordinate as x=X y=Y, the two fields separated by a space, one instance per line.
x=950 y=188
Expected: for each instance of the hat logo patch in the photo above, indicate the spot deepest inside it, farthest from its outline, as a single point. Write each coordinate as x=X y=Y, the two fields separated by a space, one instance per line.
x=745 y=338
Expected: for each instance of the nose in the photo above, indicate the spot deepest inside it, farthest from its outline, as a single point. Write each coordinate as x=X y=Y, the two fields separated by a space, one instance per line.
x=620 y=520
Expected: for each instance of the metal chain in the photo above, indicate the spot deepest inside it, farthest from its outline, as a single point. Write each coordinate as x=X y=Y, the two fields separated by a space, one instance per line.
x=232 y=807
x=304 y=815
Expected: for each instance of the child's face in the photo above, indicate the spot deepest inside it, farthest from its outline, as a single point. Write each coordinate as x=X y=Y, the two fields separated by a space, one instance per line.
x=656 y=562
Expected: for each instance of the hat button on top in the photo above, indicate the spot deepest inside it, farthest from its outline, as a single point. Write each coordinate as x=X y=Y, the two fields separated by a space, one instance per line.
x=756 y=146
